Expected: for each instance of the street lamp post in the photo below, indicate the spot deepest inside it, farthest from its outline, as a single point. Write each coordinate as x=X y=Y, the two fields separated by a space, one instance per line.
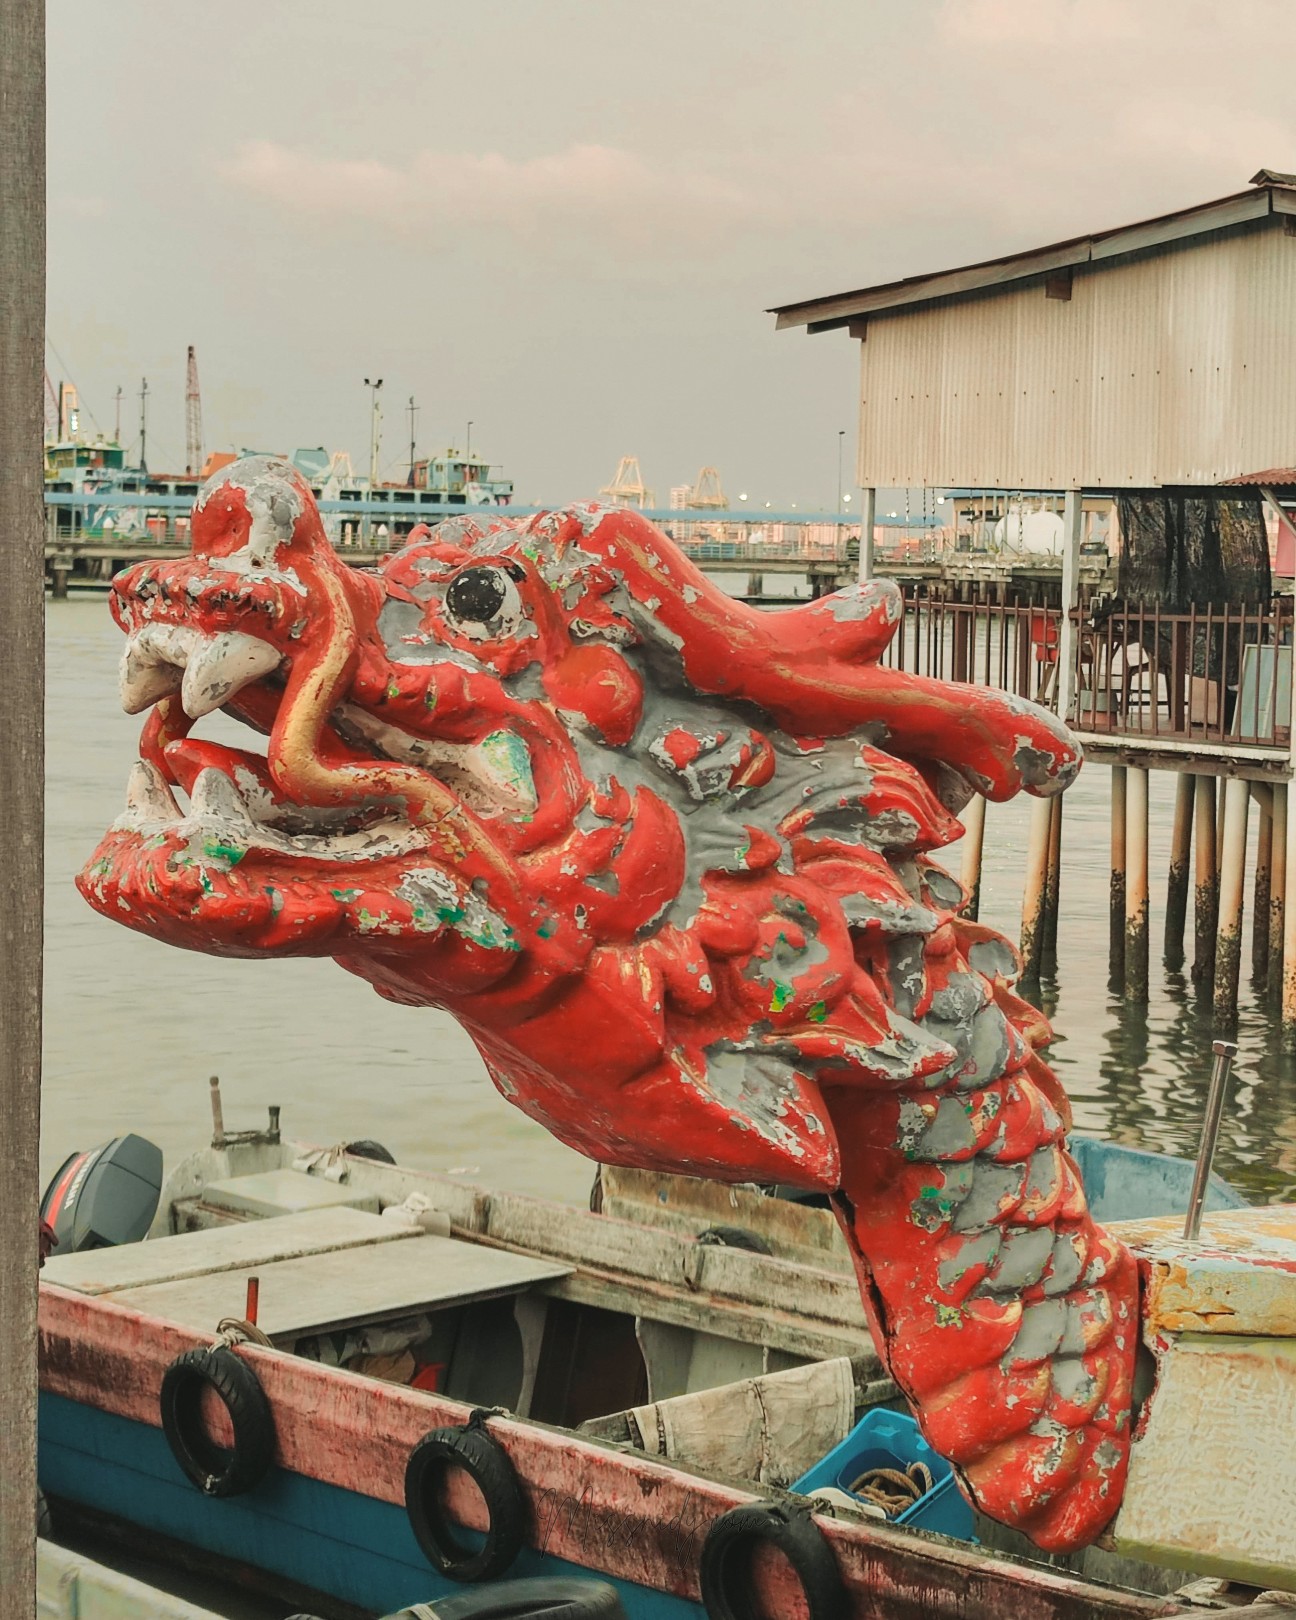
x=375 y=428
x=841 y=448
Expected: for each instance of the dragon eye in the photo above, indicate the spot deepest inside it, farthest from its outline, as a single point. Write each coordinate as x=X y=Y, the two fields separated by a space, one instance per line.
x=482 y=596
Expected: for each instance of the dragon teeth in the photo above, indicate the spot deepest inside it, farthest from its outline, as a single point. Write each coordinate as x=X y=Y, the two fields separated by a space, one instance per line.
x=152 y=665
x=149 y=795
x=215 y=798
x=219 y=668
x=207 y=671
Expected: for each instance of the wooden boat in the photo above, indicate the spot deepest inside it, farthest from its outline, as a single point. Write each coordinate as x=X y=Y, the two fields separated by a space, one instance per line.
x=586 y=1325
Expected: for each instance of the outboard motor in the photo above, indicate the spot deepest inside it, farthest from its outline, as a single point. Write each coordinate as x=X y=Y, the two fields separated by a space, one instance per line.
x=105 y=1197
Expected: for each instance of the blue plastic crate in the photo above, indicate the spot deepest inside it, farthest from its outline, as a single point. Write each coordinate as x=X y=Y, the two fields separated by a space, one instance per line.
x=885 y=1439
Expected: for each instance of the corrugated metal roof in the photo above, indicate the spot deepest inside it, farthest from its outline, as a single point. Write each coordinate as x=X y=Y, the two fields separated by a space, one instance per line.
x=1271 y=193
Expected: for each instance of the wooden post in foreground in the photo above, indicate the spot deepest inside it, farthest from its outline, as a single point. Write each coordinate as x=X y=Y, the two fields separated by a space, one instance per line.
x=1206 y=895
x=1232 y=892
x=1177 y=882
x=1116 y=898
x=1136 y=885
x=973 y=819
x=22 y=768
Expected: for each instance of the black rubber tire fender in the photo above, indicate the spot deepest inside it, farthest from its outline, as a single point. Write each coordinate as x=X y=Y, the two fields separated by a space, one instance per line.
x=485 y=1461
x=367 y=1148
x=545 y=1598
x=726 y=1565
x=213 y=1469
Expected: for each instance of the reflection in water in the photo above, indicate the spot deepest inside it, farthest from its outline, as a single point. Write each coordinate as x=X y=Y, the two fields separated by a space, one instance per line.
x=133 y=1028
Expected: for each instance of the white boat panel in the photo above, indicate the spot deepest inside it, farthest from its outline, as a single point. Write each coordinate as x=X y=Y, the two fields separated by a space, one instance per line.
x=240 y=1246
x=1212 y=1483
x=70 y=1586
x=322 y=1292
x=283 y=1192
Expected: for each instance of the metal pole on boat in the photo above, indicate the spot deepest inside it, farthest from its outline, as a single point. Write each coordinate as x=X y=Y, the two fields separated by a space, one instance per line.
x=22 y=773
x=973 y=819
x=1177 y=882
x=1221 y=1069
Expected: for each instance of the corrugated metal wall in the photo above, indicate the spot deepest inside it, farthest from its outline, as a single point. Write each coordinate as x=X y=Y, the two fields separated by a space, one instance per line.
x=1175 y=368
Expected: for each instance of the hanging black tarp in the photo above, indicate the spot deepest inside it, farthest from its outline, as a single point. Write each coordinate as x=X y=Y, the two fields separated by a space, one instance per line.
x=1184 y=548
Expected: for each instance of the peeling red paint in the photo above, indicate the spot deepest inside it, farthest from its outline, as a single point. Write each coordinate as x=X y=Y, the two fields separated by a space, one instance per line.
x=512 y=773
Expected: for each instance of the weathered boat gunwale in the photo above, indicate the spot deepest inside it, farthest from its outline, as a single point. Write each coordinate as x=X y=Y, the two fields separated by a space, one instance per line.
x=603 y=1507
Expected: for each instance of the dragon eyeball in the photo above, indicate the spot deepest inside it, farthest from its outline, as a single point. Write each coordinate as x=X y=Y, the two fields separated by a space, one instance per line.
x=483 y=603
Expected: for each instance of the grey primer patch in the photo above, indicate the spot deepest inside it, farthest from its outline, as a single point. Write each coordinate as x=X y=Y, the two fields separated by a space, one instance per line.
x=994 y=1187
x=942 y=887
x=949 y=1133
x=909 y=977
x=994 y=958
x=1040 y=1334
x=1023 y=1255
x=987 y=1050
x=973 y=1253
x=758 y=1085
x=1066 y=1266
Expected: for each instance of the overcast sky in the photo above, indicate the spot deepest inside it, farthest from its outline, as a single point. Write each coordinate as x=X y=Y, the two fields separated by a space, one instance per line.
x=564 y=219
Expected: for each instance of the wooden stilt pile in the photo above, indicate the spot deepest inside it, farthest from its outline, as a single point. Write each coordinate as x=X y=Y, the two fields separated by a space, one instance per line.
x=1052 y=888
x=1232 y=890
x=1136 y=885
x=22 y=675
x=1277 y=890
x=1206 y=894
x=1263 y=796
x=1177 y=881
x=1116 y=943
x=1035 y=897
x=973 y=819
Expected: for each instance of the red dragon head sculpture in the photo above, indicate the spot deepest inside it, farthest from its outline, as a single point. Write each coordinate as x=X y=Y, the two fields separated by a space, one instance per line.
x=667 y=859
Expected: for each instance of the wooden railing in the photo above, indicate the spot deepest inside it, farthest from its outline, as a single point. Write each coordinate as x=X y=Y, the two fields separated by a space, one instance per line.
x=987 y=643
x=1216 y=675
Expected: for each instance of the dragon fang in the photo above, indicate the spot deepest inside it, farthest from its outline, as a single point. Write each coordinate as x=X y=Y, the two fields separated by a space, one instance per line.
x=667 y=859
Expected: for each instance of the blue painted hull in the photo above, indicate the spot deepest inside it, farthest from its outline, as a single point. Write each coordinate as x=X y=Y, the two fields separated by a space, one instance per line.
x=335 y=1541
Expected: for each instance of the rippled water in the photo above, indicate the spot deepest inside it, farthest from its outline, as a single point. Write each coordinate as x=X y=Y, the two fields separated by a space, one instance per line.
x=133 y=1028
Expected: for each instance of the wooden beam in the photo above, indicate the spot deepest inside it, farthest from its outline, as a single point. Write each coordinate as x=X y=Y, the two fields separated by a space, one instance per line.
x=22 y=740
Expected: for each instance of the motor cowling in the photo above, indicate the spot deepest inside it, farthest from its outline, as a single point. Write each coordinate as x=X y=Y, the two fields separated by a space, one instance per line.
x=104 y=1197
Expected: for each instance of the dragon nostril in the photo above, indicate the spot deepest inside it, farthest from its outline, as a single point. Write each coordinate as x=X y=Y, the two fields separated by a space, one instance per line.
x=477 y=594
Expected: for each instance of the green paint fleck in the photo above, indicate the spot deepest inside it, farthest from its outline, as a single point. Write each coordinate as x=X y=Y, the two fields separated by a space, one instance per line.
x=949 y=1316
x=393 y=691
x=216 y=851
x=780 y=995
x=817 y=1013
x=548 y=928
x=346 y=896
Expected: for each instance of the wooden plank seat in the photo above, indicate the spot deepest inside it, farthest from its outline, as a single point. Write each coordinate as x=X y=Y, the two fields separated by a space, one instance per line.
x=341 y=1288
x=242 y=1246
